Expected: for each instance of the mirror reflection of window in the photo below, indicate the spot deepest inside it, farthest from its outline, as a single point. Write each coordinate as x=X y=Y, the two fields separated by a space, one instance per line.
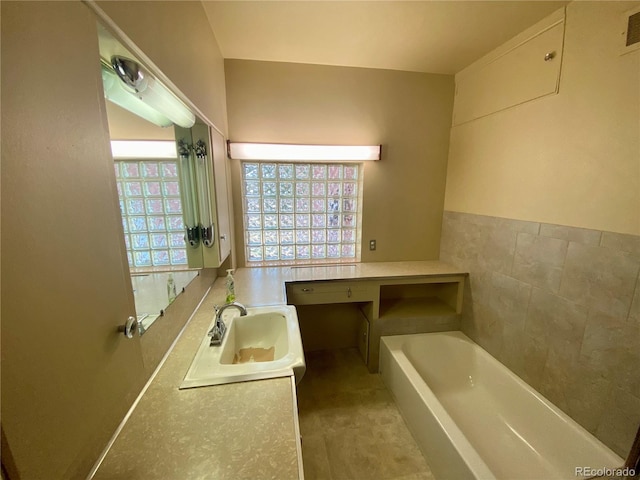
x=149 y=194
x=143 y=115
x=148 y=186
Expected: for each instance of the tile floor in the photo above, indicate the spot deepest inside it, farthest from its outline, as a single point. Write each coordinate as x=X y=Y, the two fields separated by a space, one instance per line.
x=350 y=425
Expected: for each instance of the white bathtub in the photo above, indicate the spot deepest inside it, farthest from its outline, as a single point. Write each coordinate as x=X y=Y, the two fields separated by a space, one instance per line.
x=473 y=418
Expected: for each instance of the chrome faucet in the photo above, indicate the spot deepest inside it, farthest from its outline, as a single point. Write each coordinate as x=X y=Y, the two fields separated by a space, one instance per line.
x=219 y=327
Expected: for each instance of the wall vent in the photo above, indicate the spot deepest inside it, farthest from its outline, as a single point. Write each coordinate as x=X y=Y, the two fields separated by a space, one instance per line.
x=631 y=33
x=633 y=29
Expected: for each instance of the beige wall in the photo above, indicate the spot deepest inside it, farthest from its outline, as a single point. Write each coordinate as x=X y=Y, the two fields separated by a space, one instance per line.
x=571 y=159
x=68 y=375
x=408 y=113
x=177 y=37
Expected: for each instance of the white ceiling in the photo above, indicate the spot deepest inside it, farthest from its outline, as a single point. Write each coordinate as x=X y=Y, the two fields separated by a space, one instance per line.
x=421 y=36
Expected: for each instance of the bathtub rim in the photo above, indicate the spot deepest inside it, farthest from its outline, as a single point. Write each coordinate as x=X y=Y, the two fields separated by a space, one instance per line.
x=466 y=453
x=394 y=343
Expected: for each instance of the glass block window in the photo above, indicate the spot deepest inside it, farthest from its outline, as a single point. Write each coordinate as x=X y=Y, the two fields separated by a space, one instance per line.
x=151 y=208
x=301 y=212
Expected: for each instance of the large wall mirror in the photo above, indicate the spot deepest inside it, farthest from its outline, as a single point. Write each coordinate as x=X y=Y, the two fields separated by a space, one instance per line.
x=166 y=181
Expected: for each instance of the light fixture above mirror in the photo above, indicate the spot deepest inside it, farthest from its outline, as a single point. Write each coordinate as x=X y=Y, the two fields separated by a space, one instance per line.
x=308 y=153
x=116 y=92
x=128 y=84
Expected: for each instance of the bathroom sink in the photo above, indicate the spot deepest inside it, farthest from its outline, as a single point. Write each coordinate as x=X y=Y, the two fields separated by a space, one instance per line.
x=265 y=343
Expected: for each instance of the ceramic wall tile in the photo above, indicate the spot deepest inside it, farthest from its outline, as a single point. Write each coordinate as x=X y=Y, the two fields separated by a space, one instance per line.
x=621 y=242
x=557 y=371
x=539 y=260
x=471 y=218
x=565 y=317
x=523 y=354
x=517 y=225
x=487 y=330
x=480 y=287
x=551 y=316
x=498 y=251
x=605 y=339
x=619 y=422
x=613 y=346
x=625 y=375
x=573 y=234
x=466 y=243
x=600 y=278
x=586 y=393
x=509 y=299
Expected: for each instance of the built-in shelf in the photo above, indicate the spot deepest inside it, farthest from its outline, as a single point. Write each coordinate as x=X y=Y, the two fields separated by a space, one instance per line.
x=414 y=308
x=389 y=306
x=419 y=298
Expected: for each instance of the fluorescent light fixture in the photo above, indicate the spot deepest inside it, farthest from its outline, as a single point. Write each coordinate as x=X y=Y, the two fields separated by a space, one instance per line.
x=155 y=149
x=188 y=194
x=310 y=153
x=140 y=84
x=116 y=92
x=162 y=100
x=204 y=205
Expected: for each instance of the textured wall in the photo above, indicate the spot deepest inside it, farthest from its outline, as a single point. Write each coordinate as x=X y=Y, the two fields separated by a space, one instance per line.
x=571 y=158
x=68 y=378
x=408 y=113
x=177 y=37
x=560 y=306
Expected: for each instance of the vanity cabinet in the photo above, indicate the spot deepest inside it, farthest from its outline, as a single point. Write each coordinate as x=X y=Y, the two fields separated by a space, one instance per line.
x=362 y=338
x=379 y=306
x=318 y=293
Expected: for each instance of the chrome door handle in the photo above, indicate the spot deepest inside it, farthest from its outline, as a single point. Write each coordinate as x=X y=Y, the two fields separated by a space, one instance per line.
x=306 y=290
x=130 y=327
x=349 y=292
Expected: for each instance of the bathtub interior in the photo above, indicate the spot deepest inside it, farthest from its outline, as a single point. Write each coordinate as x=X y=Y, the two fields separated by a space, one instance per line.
x=444 y=372
x=513 y=429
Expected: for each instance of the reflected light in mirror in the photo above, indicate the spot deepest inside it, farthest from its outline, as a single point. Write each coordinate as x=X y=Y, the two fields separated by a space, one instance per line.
x=143 y=149
x=115 y=92
x=280 y=151
x=141 y=84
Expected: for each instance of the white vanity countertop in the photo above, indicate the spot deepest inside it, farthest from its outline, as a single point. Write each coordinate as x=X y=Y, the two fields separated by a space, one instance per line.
x=266 y=286
x=241 y=430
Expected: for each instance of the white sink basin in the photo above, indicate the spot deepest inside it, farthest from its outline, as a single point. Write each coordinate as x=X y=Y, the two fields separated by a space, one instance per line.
x=265 y=343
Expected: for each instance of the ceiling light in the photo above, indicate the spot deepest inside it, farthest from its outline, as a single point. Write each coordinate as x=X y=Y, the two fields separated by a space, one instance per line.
x=310 y=153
